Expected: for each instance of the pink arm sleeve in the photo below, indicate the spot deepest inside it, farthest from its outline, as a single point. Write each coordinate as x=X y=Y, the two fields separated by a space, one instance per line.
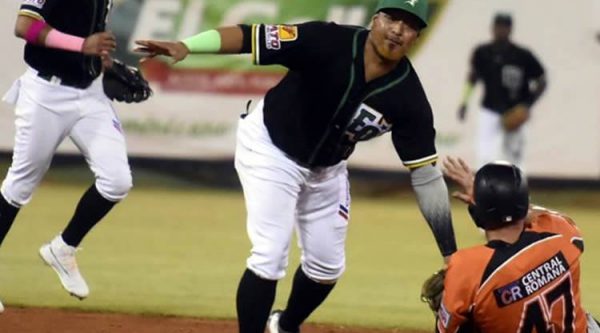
x=60 y=40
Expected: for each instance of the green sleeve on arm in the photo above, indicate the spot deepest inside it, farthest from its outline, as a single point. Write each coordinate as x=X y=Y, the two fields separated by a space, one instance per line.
x=467 y=91
x=204 y=42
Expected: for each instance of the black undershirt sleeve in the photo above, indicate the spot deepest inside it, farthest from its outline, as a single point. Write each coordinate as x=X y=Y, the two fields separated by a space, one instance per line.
x=247 y=41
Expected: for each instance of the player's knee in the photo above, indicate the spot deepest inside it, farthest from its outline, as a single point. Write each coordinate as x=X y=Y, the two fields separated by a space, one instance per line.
x=116 y=187
x=324 y=272
x=266 y=271
x=268 y=264
x=17 y=194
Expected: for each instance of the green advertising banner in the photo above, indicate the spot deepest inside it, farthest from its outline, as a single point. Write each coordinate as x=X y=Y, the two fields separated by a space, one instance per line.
x=194 y=111
x=177 y=19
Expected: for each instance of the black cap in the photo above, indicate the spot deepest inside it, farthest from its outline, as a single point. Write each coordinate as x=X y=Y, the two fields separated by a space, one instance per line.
x=503 y=19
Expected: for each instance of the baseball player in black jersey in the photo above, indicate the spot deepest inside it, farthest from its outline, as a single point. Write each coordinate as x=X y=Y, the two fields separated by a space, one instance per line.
x=344 y=85
x=61 y=95
x=514 y=79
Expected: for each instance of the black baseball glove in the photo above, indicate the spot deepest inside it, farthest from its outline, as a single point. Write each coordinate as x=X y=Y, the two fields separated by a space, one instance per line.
x=125 y=84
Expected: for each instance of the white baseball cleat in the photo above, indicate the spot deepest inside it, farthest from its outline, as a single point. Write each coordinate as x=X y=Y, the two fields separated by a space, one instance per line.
x=273 y=323
x=61 y=257
x=1 y=307
x=593 y=326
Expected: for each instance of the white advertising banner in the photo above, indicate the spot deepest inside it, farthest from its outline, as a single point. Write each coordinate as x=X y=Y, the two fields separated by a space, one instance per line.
x=194 y=111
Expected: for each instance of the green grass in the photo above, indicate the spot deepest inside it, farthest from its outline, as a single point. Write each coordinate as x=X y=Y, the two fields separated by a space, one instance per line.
x=180 y=250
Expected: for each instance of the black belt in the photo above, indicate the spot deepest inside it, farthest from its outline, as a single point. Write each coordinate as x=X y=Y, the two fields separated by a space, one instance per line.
x=298 y=161
x=65 y=82
x=308 y=165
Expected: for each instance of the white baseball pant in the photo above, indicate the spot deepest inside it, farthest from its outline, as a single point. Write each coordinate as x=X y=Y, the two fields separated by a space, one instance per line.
x=282 y=196
x=46 y=113
x=494 y=143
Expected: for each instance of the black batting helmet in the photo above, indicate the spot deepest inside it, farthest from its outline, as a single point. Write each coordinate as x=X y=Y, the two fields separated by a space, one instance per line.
x=501 y=196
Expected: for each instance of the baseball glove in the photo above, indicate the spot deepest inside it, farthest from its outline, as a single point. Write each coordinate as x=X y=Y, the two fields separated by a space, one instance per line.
x=515 y=117
x=125 y=84
x=432 y=290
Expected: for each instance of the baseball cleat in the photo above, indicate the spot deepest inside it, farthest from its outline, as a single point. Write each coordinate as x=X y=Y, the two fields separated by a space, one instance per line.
x=273 y=322
x=593 y=326
x=61 y=257
x=1 y=307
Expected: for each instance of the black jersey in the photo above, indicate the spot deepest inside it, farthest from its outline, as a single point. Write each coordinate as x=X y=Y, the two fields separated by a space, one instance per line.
x=506 y=71
x=74 y=17
x=324 y=106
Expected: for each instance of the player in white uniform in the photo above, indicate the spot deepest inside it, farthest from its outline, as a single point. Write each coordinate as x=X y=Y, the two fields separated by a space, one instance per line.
x=344 y=85
x=59 y=96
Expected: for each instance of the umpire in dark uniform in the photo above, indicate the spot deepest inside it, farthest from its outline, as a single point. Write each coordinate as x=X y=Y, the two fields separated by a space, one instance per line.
x=513 y=80
x=344 y=85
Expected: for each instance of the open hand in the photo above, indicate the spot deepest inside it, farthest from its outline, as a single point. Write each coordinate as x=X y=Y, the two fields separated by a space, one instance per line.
x=152 y=48
x=458 y=170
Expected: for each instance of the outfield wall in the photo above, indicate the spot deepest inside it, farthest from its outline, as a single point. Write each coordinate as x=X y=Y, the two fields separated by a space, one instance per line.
x=194 y=111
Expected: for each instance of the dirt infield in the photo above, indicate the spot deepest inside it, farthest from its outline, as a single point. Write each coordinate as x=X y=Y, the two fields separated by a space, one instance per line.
x=43 y=320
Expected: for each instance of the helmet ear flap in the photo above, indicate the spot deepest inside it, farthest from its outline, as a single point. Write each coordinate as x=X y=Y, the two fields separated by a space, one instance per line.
x=474 y=212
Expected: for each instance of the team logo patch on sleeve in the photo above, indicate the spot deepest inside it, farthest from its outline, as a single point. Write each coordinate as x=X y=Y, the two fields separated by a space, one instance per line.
x=272 y=37
x=288 y=33
x=276 y=34
x=35 y=3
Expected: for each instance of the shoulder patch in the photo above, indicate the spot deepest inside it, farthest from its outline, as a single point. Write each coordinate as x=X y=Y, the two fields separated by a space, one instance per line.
x=272 y=37
x=35 y=3
x=276 y=34
x=288 y=33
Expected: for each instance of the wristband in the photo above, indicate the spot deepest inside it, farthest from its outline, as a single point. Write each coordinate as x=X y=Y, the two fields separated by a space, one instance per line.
x=61 y=40
x=467 y=91
x=34 y=31
x=204 y=42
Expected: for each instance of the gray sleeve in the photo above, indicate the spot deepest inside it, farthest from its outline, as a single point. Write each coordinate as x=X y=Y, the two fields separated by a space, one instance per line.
x=432 y=196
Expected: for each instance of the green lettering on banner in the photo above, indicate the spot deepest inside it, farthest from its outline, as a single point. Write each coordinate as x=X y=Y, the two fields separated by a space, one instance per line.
x=151 y=126
x=177 y=19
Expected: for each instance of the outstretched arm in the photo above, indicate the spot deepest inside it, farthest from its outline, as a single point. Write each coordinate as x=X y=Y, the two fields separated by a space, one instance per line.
x=225 y=40
x=432 y=197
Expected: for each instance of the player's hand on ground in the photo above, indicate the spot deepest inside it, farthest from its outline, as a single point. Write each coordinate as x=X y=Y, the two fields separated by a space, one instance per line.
x=100 y=44
x=152 y=48
x=460 y=172
x=462 y=113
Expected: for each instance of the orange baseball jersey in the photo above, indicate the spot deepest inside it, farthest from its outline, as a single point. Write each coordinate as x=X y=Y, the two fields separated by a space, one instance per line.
x=529 y=286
